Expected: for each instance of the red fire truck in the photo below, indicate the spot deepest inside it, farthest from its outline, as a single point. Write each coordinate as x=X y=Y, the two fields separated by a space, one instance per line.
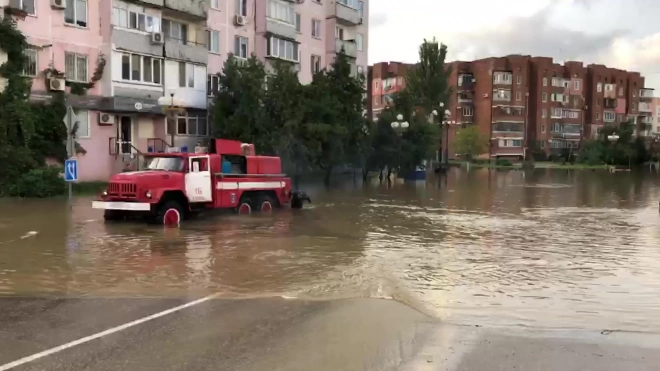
x=177 y=185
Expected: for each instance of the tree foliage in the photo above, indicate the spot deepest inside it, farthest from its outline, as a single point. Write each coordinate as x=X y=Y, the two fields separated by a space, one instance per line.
x=318 y=125
x=428 y=81
x=627 y=149
x=28 y=132
x=470 y=142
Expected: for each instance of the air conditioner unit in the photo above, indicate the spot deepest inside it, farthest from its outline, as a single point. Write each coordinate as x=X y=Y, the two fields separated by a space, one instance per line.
x=240 y=20
x=486 y=95
x=55 y=84
x=106 y=119
x=57 y=4
x=157 y=38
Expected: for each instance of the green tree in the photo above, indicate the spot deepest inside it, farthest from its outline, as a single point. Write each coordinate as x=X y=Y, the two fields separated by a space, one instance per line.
x=470 y=142
x=334 y=114
x=238 y=108
x=428 y=81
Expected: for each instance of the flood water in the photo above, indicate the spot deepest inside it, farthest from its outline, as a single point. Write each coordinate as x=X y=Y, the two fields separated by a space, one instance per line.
x=544 y=249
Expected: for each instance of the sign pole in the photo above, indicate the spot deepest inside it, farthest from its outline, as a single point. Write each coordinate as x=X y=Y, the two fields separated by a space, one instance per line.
x=70 y=148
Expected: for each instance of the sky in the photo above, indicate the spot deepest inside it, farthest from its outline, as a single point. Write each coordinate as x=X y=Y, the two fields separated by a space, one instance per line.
x=622 y=34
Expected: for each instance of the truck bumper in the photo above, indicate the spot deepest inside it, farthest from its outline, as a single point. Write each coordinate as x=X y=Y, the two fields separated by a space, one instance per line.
x=129 y=206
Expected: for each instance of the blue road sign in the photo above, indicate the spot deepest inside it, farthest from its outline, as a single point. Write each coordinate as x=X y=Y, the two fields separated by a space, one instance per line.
x=71 y=170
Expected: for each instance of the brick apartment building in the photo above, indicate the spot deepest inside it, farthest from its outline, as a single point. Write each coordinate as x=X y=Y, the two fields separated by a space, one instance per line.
x=526 y=104
x=384 y=79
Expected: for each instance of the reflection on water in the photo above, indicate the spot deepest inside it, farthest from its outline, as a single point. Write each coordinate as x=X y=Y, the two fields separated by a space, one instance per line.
x=543 y=249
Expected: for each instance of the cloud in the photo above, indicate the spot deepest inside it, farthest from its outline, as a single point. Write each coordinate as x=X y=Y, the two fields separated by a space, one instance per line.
x=377 y=19
x=534 y=35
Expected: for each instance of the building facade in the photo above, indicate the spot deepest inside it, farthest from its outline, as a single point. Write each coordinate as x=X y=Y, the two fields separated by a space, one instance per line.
x=383 y=80
x=155 y=54
x=531 y=105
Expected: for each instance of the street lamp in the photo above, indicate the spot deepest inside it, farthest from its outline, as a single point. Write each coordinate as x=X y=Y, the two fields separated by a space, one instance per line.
x=613 y=138
x=399 y=127
x=444 y=124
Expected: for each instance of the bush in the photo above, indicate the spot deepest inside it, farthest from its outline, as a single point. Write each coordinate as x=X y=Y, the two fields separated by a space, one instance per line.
x=40 y=182
x=503 y=162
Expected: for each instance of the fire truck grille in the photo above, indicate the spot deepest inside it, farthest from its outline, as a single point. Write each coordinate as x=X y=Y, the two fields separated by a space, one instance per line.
x=122 y=189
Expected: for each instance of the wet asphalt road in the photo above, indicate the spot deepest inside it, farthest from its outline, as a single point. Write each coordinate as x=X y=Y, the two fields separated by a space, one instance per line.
x=278 y=334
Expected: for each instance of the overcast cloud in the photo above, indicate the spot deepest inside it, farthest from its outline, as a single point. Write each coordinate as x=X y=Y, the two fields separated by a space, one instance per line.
x=618 y=33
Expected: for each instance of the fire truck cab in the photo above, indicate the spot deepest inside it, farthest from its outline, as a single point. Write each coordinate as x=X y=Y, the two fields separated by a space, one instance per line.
x=176 y=185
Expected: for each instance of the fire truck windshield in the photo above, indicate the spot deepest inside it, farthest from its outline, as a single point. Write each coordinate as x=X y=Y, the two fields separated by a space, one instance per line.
x=165 y=163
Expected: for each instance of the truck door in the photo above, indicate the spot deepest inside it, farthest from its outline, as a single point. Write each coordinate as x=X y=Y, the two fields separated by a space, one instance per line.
x=198 y=179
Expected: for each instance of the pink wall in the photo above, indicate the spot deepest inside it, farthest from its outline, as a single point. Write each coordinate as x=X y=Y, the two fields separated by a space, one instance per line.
x=620 y=105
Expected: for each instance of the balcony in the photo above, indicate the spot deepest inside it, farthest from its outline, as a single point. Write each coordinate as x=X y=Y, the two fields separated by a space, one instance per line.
x=134 y=42
x=508 y=114
x=188 y=9
x=646 y=93
x=645 y=107
x=466 y=82
x=349 y=46
x=508 y=128
x=347 y=13
x=465 y=97
x=279 y=28
x=502 y=95
x=610 y=103
x=195 y=52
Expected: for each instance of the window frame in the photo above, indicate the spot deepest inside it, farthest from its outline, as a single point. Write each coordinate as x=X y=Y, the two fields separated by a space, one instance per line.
x=317 y=22
x=76 y=56
x=295 y=49
x=34 y=7
x=359 y=42
x=241 y=8
x=89 y=128
x=75 y=22
x=36 y=62
x=289 y=11
x=142 y=69
x=313 y=59
x=209 y=36
x=188 y=117
x=116 y=20
x=212 y=78
x=467 y=111
x=238 y=43
x=217 y=4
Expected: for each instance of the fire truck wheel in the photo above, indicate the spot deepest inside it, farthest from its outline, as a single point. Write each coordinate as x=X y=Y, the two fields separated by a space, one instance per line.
x=266 y=204
x=169 y=214
x=244 y=206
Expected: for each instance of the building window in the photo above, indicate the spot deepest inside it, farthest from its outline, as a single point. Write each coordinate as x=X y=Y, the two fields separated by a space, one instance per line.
x=621 y=92
x=609 y=116
x=468 y=111
x=75 y=67
x=281 y=11
x=542 y=128
x=82 y=118
x=599 y=87
x=576 y=85
x=212 y=85
x=141 y=68
x=634 y=93
x=241 y=47
x=298 y=23
x=241 y=7
x=633 y=106
x=176 y=31
x=545 y=81
x=76 y=12
x=123 y=18
x=544 y=113
x=339 y=33
x=194 y=124
x=214 y=41
x=316 y=28
x=598 y=116
x=361 y=9
x=283 y=49
x=31 y=63
x=510 y=143
x=544 y=97
x=186 y=75
x=518 y=96
x=519 y=80
x=359 y=40
x=399 y=81
x=316 y=64
x=502 y=78
x=350 y=3
x=215 y=4
x=27 y=6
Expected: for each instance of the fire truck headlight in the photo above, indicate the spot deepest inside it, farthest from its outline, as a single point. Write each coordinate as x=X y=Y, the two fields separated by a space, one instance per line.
x=104 y=193
x=148 y=194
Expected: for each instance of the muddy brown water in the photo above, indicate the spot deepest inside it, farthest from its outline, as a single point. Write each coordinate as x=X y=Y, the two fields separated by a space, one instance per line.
x=547 y=249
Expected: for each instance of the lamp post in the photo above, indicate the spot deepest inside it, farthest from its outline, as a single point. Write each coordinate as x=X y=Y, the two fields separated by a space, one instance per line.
x=444 y=124
x=399 y=127
x=613 y=138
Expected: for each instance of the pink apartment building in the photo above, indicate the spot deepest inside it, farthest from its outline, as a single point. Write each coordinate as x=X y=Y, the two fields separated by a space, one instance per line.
x=168 y=52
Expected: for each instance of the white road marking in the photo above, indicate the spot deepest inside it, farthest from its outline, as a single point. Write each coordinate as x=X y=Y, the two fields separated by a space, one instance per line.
x=110 y=331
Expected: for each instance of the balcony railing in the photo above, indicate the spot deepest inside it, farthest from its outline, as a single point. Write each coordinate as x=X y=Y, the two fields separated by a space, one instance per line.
x=646 y=93
x=645 y=107
x=196 y=52
x=350 y=47
x=346 y=14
